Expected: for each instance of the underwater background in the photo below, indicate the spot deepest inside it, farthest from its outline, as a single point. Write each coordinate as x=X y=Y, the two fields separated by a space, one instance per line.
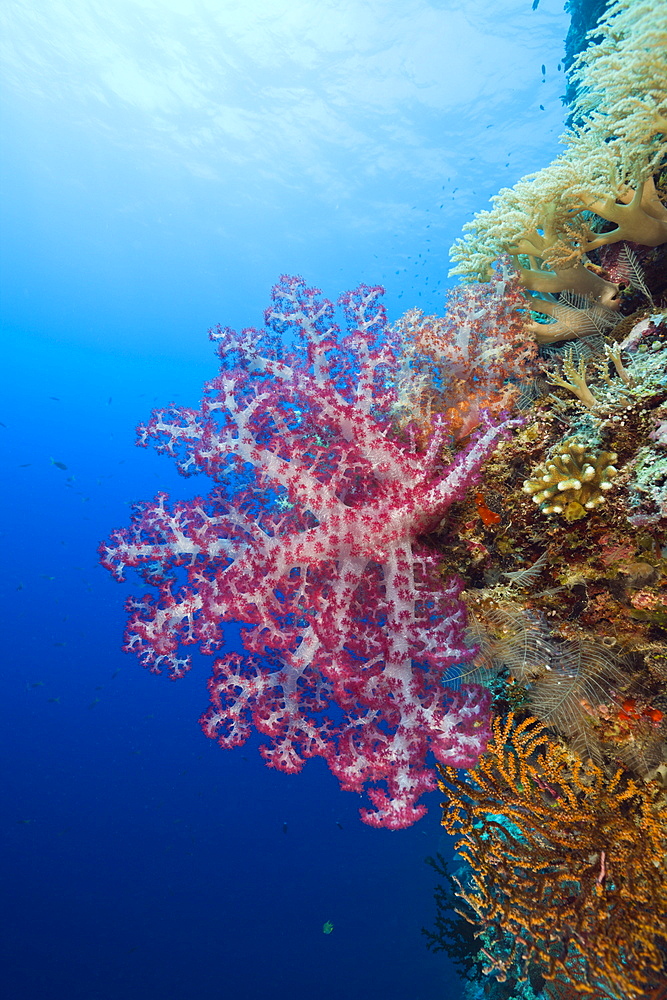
x=163 y=163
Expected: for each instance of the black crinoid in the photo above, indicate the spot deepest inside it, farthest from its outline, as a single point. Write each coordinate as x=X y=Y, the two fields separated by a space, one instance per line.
x=586 y=688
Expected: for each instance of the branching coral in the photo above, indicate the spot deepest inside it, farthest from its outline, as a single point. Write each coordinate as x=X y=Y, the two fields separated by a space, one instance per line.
x=575 y=380
x=601 y=190
x=526 y=222
x=566 y=864
x=574 y=481
x=620 y=77
x=310 y=536
x=469 y=361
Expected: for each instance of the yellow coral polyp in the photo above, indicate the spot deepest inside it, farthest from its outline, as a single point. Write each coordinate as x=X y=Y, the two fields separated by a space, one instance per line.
x=574 y=481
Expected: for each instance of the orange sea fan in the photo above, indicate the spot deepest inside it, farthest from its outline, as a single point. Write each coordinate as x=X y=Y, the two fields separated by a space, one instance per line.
x=566 y=874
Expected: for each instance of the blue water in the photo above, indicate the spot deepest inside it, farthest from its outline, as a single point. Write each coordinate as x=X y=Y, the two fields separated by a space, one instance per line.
x=163 y=163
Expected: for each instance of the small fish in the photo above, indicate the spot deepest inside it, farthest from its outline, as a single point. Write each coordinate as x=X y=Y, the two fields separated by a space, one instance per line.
x=535 y=4
x=544 y=70
x=59 y=465
x=284 y=827
x=339 y=825
x=57 y=398
x=26 y=465
x=54 y=701
x=3 y=425
x=541 y=107
x=327 y=927
x=94 y=702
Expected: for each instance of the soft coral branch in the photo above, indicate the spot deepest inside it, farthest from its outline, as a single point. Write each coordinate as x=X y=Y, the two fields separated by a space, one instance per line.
x=311 y=537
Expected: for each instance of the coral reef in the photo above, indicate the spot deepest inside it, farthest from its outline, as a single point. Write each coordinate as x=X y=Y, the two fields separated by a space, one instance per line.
x=505 y=463
x=563 y=824
x=584 y=15
x=567 y=596
x=584 y=688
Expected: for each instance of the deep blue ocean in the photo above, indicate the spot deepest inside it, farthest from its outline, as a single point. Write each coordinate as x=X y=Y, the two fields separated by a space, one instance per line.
x=163 y=162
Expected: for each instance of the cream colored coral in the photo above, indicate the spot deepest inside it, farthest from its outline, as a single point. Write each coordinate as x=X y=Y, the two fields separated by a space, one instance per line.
x=613 y=354
x=574 y=481
x=620 y=78
x=573 y=316
x=541 y=221
x=549 y=220
x=575 y=380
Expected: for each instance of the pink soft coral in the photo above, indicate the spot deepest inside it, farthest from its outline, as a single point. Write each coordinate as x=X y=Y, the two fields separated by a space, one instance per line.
x=310 y=538
x=470 y=362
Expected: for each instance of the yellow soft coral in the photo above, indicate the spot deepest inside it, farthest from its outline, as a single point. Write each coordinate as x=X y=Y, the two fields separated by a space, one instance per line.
x=601 y=190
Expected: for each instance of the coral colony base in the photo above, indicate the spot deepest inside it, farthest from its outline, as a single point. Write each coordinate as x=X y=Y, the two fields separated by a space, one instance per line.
x=446 y=541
